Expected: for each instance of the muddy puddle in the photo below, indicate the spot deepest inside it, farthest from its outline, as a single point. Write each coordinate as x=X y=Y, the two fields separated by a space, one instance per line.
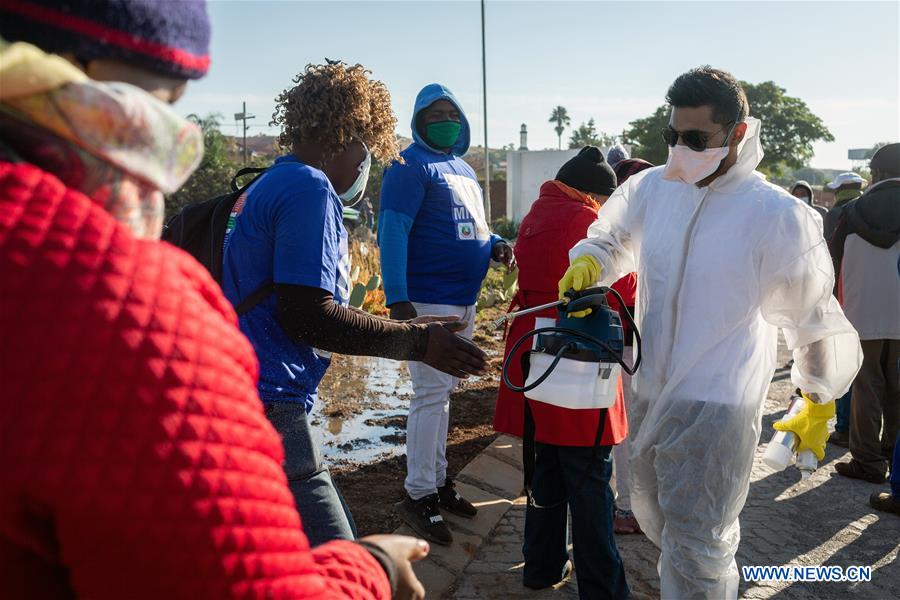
x=363 y=404
x=362 y=408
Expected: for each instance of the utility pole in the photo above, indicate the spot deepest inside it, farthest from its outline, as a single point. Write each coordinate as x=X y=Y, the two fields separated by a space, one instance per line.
x=487 y=157
x=243 y=116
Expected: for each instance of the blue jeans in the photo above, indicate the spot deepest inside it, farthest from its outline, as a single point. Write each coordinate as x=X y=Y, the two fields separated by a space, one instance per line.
x=323 y=512
x=842 y=407
x=558 y=473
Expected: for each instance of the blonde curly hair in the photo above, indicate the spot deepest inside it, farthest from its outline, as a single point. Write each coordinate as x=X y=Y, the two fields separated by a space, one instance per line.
x=334 y=104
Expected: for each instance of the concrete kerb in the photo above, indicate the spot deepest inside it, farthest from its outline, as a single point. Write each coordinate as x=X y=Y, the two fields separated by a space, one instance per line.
x=492 y=481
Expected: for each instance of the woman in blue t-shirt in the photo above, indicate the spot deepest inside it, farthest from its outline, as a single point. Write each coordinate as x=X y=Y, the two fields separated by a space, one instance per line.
x=287 y=230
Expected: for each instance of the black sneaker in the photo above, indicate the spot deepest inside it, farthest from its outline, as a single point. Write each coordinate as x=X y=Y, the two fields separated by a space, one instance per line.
x=449 y=499
x=855 y=470
x=566 y=574
x=884 y=501
x=425 y=518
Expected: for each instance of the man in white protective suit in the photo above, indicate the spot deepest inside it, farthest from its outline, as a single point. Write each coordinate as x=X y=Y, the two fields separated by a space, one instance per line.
x=723 y=259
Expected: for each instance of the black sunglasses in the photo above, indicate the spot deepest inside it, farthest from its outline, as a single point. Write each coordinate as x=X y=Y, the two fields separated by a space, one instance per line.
x=694 y=139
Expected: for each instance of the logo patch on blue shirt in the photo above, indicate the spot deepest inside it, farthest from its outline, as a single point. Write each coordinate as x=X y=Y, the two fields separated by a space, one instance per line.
x=467 y=207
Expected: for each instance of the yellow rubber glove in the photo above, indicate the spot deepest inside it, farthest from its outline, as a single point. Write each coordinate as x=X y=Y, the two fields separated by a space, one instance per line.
x=583 y=272
x=810 y=426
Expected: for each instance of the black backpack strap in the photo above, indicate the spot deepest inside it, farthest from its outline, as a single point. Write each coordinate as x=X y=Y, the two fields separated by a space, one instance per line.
x=528 y=442
x=218 y=225
x=246 y=171
x=258 y=295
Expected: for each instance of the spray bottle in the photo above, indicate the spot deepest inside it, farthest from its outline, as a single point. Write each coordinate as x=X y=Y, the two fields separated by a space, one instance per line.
x=783 y=447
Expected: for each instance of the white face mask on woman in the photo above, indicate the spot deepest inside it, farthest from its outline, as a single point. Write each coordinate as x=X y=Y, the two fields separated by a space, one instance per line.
x=359 y=184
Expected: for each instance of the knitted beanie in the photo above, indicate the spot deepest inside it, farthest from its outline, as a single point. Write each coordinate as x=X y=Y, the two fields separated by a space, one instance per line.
x=628 y=167
x=168 y=37
x=588 y=172
x=616 y=153
x=887 y=160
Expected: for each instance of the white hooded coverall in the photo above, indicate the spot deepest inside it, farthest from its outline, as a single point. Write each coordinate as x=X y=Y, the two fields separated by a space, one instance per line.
x=720 y=269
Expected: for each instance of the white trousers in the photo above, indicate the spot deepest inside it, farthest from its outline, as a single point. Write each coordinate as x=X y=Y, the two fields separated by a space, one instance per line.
x=621 y=481
x=429 y=412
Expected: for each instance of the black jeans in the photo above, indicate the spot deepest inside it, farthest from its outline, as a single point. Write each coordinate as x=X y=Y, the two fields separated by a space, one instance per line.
x=324 y=514
x=558 y=473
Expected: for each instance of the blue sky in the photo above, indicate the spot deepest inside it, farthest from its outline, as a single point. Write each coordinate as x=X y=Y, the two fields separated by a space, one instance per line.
x=609 y=60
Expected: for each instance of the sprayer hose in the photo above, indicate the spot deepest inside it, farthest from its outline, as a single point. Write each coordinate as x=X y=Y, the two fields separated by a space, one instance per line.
x=559 y=355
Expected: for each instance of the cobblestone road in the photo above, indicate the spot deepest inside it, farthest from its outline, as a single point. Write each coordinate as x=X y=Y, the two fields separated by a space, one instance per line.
x=825 y=520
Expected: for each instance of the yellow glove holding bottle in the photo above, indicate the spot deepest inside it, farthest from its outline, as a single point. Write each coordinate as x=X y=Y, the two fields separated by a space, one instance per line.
x=582 y=273
x=810 y=426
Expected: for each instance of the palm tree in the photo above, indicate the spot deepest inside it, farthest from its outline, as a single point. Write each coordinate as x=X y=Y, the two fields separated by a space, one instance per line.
x=560 y=116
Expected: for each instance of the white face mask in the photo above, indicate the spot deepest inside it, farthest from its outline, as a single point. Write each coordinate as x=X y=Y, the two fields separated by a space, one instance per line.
x=358 y=187
x=690 y=166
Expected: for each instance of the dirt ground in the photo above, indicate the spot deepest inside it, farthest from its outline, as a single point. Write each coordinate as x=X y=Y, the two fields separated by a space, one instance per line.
x=371 y=489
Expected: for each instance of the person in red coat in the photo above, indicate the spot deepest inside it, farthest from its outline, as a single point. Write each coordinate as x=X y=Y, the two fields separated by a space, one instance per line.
x=569 y=469
x=136 y=458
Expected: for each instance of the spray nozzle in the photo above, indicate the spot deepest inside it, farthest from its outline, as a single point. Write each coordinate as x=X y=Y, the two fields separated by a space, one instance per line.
x=508 y=317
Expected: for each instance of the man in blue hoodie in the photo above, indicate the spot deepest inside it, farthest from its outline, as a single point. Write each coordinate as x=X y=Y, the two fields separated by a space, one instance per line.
x=435 y=251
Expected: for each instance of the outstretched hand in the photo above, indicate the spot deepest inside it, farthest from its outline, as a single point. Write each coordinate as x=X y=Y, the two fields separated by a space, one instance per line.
x=403 y=550
x=451 y=353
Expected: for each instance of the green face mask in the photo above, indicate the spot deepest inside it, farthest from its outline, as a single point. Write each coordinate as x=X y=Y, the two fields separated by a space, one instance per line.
x=443 y=134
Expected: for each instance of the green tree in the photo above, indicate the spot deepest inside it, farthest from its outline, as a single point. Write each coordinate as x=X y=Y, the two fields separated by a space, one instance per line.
x=645 y=136
x=560 y=116
x=587 y=135
x=789 y=129
x=213 y=177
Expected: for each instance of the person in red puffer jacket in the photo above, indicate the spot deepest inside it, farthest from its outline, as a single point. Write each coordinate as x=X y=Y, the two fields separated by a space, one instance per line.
x=136 y=458
x=568 y=468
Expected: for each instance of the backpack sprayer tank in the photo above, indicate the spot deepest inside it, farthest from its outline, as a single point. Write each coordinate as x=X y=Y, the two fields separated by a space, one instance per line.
x=575 y=363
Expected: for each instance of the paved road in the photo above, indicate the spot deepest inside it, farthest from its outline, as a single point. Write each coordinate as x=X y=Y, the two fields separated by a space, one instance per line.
x=825 y=520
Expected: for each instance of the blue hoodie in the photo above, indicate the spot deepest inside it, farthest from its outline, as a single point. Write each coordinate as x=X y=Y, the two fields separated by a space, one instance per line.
x=435 y=243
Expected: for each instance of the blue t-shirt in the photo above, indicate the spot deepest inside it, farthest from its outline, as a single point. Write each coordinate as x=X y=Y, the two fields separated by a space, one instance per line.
x=287 y=228
x=435 y=242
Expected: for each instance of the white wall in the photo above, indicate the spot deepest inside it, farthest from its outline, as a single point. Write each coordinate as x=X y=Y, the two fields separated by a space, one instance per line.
x=525 y=172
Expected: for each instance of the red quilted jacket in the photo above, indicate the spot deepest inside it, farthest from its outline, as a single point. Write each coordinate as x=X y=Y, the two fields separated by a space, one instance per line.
x=136 y=459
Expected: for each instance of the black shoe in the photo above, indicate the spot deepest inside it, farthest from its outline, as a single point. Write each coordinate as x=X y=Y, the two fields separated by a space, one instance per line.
x=840 y=438
x=425 y=518
x=449 y=499
x=854 y=470
x=567 y=572
x=884 y=502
